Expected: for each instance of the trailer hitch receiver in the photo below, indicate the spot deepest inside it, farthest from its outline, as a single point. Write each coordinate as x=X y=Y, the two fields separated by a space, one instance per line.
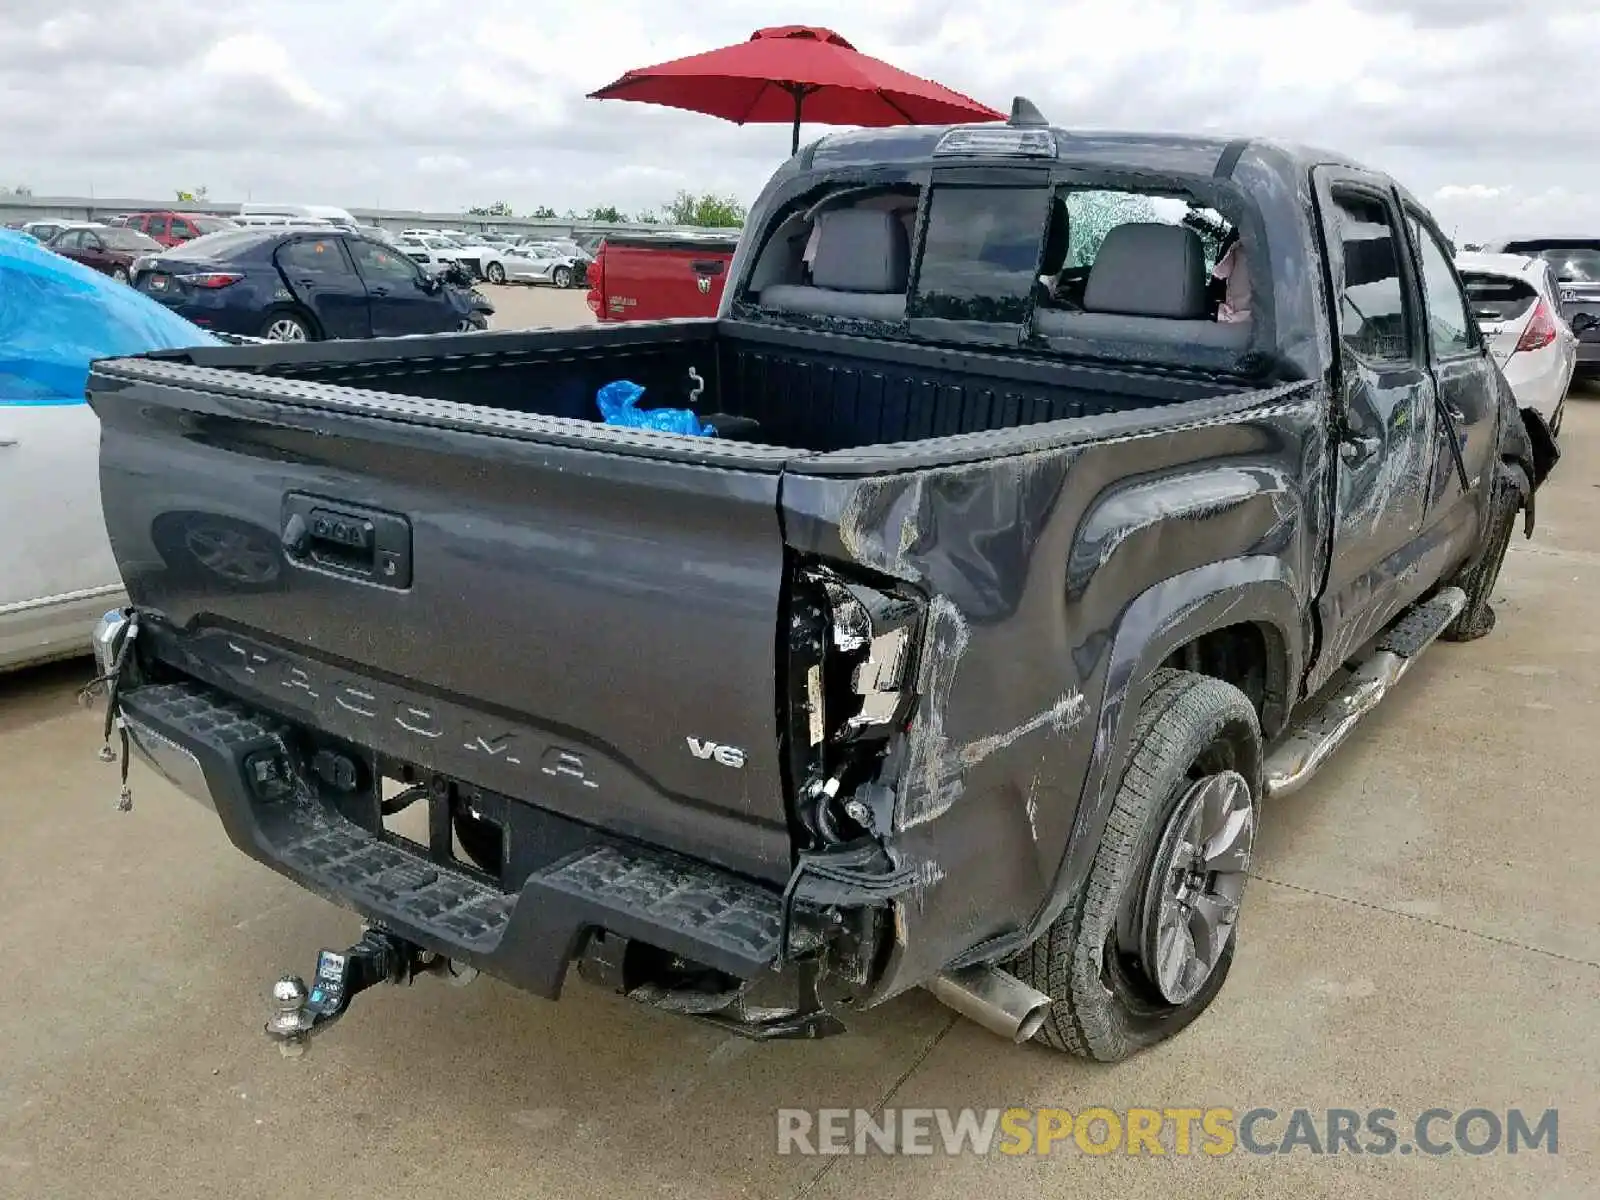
x=379 y=957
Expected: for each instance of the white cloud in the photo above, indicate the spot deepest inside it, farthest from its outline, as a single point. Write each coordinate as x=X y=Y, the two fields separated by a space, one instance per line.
x=1481 y=105
x=258 y=56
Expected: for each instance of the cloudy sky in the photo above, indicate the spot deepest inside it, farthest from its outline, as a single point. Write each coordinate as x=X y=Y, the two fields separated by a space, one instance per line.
x=1479 y=106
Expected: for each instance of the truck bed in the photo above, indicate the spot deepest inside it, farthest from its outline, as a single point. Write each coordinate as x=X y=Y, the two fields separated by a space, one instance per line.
x=807 y=391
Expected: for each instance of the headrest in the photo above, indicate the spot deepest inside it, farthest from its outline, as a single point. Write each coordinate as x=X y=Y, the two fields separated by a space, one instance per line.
x=861 y=250
x=1057 y=238
x=1149 y=269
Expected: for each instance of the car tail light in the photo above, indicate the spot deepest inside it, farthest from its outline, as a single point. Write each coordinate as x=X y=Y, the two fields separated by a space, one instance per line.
x=594 y=301
x=211 y=279
x=1541 y=330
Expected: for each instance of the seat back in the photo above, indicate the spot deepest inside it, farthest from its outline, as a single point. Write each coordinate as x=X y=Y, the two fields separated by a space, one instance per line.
x=1149 y=269
x=1148 y=284
x=861 y=266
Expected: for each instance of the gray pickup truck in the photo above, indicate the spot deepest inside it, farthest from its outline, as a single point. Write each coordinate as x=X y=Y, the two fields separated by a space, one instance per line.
x=1071 y=497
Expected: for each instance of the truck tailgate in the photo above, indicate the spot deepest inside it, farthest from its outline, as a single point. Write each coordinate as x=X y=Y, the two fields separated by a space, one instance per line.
x=590 y=626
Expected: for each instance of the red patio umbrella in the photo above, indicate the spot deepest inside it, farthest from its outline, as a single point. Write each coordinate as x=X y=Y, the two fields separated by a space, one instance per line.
x=792 y=71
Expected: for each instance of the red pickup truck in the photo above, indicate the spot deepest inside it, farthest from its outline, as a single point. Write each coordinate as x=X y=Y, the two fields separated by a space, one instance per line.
x=649 y=276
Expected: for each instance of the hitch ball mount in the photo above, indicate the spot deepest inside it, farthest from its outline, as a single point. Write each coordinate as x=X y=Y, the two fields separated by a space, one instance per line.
x=378 y=957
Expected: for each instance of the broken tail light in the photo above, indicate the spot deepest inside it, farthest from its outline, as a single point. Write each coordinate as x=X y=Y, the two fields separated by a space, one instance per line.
x=853 y=662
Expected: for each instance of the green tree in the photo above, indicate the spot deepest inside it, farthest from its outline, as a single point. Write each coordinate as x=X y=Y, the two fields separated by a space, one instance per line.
x=709 y=211
x=193 y=196
x=22 y=190
x=543 y=213
x=605 y=212
x=498 y=209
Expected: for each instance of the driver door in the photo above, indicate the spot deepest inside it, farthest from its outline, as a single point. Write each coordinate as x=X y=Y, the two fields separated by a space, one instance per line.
x=401 y=299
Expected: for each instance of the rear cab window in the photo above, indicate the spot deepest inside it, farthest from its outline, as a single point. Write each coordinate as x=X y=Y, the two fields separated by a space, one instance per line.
x=980 y=254
x=1002 y=255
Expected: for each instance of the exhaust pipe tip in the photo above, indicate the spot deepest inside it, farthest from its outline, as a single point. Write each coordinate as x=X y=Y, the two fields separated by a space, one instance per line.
x=993 y=998
x=1031 y=1021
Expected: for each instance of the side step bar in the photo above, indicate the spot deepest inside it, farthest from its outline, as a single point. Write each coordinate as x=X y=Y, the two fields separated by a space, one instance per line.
x=1312 y=742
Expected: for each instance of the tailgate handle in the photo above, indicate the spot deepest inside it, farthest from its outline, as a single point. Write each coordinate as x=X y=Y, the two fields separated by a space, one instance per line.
x=351 y=540
x=708 y=266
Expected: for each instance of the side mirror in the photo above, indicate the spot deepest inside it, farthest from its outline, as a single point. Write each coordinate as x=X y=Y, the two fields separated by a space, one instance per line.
x=1584 y=321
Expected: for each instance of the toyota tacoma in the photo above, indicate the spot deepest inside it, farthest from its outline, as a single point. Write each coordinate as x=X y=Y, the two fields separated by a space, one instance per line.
x=1068 y=497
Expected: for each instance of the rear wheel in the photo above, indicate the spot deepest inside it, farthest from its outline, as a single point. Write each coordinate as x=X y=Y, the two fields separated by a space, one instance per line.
x=283 y=326
x=561 y=277
x=1146 y=945
x=120 y=274
x=495 y=273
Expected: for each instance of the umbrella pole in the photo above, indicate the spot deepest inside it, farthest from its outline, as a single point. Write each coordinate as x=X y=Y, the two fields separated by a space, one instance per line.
x=799 y=100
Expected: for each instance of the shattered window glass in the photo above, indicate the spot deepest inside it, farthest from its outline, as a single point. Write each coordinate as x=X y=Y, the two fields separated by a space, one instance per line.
x=1372 y=312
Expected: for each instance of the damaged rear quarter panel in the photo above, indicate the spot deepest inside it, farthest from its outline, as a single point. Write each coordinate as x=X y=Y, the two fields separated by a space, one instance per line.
x=1029 y=560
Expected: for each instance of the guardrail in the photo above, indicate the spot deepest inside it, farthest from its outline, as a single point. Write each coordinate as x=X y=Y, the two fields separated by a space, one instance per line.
x=17 y=210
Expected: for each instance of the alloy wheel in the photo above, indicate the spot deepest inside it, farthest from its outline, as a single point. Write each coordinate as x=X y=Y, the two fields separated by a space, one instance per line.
x=1195 y=883
x=286 y=329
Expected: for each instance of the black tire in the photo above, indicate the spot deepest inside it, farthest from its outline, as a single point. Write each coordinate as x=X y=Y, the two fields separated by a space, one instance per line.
x=1479 y=577
x=561 y=277
x=120 y=274
x=1091 y=961
x=278 y=323
x=495 y=273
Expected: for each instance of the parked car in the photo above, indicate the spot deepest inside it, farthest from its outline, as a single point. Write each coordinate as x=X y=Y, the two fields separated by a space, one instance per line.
x=109 y=249
x=1577 y=265
x=430 y=251
x=434 y=250
x=271 y=221
x=57 y=572
x=175 y=228
x=43 y=231
x=650 y=276
x=305 y=284
x=538 y=262
x=963 y=657
x=1515 y=301
x=318 y=213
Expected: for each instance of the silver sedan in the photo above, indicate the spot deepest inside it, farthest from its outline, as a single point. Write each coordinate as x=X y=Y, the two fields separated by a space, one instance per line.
x=538 y=262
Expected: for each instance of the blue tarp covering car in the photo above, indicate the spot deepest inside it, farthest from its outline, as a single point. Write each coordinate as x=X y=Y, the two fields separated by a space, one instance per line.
x=56 y=316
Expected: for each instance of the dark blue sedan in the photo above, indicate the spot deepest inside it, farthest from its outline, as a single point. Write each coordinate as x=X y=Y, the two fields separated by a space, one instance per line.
x=296 y=285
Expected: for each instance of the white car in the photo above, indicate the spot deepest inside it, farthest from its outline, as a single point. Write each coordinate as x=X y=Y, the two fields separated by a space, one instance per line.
x=430 y=250
x=540 y=262
x=1517 y=304
x=59 y=575
x=434 y=250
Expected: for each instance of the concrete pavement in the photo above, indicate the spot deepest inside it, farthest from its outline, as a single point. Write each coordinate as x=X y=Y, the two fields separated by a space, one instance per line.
x=1424 y=932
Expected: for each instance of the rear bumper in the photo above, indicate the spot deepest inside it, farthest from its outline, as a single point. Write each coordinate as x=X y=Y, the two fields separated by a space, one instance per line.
x=244 y=765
